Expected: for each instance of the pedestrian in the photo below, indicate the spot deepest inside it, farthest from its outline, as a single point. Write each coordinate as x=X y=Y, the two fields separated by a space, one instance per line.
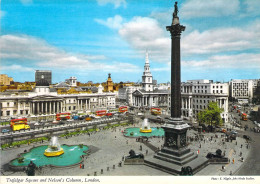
x=223 y=168
x=80 y=166
x=146 y=152
x=241 y=145
x=240 y=154
x=233 y=160
x=200 y=145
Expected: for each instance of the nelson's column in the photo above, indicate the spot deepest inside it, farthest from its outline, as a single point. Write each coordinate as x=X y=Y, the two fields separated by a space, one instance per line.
x=175 y=154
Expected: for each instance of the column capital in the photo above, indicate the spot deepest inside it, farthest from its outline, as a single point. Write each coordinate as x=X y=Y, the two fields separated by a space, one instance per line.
x=175 y=30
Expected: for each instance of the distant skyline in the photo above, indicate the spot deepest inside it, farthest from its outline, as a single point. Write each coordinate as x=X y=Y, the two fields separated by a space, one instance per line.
x=89 y=39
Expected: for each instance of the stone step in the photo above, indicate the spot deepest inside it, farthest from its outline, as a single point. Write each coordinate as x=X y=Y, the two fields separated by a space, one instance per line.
x=168 y=167
x=178 y=162
x=170 y=156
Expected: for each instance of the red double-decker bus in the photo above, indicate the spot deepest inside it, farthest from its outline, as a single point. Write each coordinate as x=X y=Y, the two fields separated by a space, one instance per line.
x=101 y=112
x=156 y=111
x=63 y=116
x=18 y=121
x=123 y=109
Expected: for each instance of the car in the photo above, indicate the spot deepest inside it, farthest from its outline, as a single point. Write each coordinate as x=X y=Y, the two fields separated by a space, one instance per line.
x=224 y=130
x=158 y=117
x=5 y=130
x=233 y=132
x=247 y=137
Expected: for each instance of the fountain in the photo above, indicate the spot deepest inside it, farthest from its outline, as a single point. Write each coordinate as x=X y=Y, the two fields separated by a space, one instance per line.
x=145 y=127
x=54 y=149
x=145 y=131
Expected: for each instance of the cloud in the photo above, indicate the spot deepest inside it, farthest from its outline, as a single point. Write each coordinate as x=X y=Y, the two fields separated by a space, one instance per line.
x=204 y=8
x=24 y=48
x=145 y=33
x=16 y=67
x=222 y=40
x=111 y=22
x=117 y=3
x=252 y=7
x=241 y=61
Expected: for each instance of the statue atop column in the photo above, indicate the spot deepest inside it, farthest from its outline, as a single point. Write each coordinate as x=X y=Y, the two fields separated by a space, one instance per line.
x=175 y=9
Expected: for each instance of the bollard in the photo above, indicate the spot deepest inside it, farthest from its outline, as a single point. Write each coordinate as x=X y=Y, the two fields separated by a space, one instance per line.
x=120 y=164
x=95 y=173
x=230 y=172
x=114 y=166
x=101 y=171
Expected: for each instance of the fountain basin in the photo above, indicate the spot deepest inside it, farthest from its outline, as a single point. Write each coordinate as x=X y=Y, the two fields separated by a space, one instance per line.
x=72 y=155
x=135 y=132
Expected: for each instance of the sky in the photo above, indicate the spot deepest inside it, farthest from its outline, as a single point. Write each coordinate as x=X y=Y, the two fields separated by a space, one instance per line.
x=90 y=38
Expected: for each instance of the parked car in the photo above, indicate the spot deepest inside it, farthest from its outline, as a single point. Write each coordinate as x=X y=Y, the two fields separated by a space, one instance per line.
x=5 y=130
x=233 y=132
x=247 y=137
x=158 y=117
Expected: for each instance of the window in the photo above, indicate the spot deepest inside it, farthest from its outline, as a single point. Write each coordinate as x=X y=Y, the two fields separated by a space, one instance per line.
x=69 y=107
x=15 y=111
x=26 y=112
x=8 y=113
x=21 y=111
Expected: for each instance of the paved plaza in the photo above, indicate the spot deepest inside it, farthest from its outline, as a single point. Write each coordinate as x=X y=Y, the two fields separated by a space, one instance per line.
x=109 y=146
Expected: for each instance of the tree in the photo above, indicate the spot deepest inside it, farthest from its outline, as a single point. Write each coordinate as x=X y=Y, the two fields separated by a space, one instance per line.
x=211 y=115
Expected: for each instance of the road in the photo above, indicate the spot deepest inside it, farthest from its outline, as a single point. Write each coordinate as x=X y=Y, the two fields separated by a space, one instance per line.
x=252 y=163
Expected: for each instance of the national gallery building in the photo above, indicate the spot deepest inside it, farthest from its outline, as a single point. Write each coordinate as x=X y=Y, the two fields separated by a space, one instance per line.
x=44 y=100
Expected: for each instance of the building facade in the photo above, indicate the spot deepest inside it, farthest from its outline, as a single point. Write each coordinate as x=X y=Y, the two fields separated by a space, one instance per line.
x=5 y=80
x=241 y=90
x=196 y=95
x=44 y=101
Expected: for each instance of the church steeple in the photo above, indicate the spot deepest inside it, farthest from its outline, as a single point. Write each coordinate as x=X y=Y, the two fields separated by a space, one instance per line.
x=147 y=78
